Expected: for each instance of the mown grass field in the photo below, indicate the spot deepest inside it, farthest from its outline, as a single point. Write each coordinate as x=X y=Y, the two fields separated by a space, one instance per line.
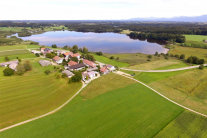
x=160 y=65
x=186 y=125
x=130 y=111
x=186 y=87
x=189 y=51
x=30 y=95
x=198 y=38
x=109 y=61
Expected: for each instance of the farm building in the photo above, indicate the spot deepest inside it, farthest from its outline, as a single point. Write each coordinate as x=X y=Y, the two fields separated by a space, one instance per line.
x=44 y=63
x=89 y=63
x=68 y=73
x=77 y=66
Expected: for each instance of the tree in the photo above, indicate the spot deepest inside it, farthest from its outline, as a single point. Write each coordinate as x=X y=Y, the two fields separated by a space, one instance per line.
x=27 y=66
x=201 y=66
x=182 y=56
x=112 y=57
x=85 y=50
x=54 y=46
x=20 y=69
x=76 y=78
x=6 y=58
x=37 y=55
x=75 y=49
x=8 y=72
x=117 y=58
x=64 y=62
x=156 y=53
x=50 y=55
x=201 y=61
x=74 y=59
x=99 y=53
x=149 y=56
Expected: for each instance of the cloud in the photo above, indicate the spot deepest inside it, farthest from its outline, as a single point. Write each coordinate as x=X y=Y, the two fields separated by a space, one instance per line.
x=99 y=9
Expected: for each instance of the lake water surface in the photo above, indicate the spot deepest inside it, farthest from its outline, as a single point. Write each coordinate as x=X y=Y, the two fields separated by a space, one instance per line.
x=105 y=42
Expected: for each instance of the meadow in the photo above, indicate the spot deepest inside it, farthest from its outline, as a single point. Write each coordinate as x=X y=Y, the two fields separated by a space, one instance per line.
x=33 y=94
x=130 y=111
x=198 y=38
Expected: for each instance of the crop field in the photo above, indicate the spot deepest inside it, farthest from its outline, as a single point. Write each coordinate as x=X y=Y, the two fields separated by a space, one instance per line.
x=129 y=111
x=160 y=65
x=133 y=58
x=189 y=51
x=30 y=95
x=186 y=125
x=198 y=38
x=109 y=61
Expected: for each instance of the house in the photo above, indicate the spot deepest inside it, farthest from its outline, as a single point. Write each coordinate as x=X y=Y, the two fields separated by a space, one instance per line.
x=92 y=69
x=77 y=55
x=57 y=59
x=44 y=63
x=13 y=66
x=68 y=73
x=90 y=75
x=5 y=64
x=60 y=52
x=104 y=70
x=89 y=63
x=36 y=52
x=77 y=66
x=110 y=68
x=67 y=55
x=71 y=63
x=205 y=41
x=46 y=50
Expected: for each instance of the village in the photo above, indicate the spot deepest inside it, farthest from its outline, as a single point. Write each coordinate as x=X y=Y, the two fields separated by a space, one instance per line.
x=69 y=61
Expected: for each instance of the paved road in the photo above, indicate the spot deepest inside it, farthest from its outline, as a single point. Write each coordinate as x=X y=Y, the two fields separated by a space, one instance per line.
x=128 y=76
x=168 y=70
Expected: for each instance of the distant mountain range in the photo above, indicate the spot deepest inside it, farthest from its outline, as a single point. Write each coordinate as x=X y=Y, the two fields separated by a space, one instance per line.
x=202 y=18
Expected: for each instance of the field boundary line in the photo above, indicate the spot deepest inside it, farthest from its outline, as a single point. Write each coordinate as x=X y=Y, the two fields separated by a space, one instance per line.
x=46 y=114
x=12 y=50
x=122 y=74
x=168 y=70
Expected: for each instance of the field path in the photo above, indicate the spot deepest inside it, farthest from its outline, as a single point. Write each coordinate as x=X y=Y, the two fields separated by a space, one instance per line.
x=128 y=76
x=168 y=70
x=49 y=113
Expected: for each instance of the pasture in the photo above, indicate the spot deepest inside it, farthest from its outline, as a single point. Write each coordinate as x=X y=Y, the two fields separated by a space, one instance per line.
x=33 y=94
x=129 y=111
x=109 y=61
x=198 y=38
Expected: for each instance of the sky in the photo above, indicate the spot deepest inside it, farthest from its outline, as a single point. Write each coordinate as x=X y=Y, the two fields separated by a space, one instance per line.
x=98 y=9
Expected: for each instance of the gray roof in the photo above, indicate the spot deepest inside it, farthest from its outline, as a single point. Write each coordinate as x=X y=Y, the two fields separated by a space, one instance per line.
x=44 y=62
x=67 y=72
x=8 y=63
x=77 y=66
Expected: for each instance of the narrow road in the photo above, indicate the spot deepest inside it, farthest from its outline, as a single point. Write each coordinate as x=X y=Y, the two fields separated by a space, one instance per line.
x=128 y=76
x=168 y=70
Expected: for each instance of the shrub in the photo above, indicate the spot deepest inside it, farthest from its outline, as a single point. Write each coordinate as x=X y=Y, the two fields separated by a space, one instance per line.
x=149 y=56
x=20 y=69
x=99 y=53
x=182 y=56
x=156 y=54
x=8 y=72
x=27 y=66
x=64 y=75
x=47 y=72
x=112 y=57
x=37 y=55
x=54 y=46
x=6 y=58
x=76 y=78
x=201 y=66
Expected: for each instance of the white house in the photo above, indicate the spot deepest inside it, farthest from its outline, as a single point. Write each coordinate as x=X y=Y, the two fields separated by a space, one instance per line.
x=57 y=59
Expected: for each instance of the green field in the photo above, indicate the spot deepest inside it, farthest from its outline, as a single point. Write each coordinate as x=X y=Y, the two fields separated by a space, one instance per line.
x=160 y=65
x=198 y=38
x=30 y=95
x=189 y=51
x=109 y=61
x=186 y=125
x=130 y=111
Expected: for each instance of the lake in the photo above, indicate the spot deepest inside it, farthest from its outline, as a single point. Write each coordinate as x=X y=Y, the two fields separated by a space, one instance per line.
x=105 y=42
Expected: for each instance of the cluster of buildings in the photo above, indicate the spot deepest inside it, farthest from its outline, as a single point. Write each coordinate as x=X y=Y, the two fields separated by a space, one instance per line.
x=90 y=69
